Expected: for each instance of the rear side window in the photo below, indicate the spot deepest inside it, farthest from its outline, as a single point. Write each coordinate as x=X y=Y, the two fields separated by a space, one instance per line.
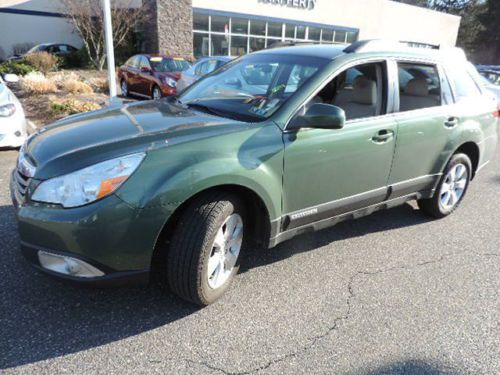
x=462 y=83
x=419 y=86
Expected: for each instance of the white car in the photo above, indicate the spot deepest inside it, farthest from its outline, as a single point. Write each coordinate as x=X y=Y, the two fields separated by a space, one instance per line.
x=12 y=120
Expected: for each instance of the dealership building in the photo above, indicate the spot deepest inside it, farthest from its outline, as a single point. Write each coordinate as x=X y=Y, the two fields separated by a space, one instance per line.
x=236 y=27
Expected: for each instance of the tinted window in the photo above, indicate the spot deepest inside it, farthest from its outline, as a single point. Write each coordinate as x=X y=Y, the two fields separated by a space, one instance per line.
x=462 y=83
x=419 y=86
x=132 y=62
x=144 y=63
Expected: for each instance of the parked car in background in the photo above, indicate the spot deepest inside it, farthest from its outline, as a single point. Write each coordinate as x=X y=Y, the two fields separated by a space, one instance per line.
x=151 y=76
x=493 y=76
x=202 y=67
x=276 y=144
x=489 y=78
x=58 y=49
x=12 y=120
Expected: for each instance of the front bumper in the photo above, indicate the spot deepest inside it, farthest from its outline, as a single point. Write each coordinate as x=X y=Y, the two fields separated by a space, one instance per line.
x=109 y=234
x=111 y=278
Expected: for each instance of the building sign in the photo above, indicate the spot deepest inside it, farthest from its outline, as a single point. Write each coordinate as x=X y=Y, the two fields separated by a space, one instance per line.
x=299 y=4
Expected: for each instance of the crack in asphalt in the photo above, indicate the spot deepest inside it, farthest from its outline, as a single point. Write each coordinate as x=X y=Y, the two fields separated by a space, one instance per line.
x=314 y=339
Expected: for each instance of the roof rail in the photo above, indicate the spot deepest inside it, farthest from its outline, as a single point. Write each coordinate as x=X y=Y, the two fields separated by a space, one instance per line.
x=374 y=45
x=279 y=44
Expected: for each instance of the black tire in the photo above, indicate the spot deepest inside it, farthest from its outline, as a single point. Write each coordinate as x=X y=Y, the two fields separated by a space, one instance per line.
x=125 y=93
x=192 y=245
x=432 y=206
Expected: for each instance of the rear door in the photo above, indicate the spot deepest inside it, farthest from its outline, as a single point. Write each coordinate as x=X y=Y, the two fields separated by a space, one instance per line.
x=144 y=80
x=427 y=120
x=132 y=72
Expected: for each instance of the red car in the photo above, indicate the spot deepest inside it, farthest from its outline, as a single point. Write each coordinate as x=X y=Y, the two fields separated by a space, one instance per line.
x=151 y=76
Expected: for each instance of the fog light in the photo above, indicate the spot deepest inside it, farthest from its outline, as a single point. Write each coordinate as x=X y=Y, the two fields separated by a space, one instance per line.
x=67 y=265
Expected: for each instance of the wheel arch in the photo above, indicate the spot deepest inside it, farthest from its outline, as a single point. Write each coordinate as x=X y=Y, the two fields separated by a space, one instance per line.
x=471 y=149
x=260 y=229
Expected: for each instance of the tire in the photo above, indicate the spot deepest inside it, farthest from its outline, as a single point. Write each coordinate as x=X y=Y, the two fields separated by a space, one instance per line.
x=195 y=248
x=156 y=94
x=124 y=88
x=437 y=206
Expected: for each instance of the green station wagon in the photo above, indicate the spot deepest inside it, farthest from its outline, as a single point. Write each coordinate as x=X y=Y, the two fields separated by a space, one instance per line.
x=273 y=144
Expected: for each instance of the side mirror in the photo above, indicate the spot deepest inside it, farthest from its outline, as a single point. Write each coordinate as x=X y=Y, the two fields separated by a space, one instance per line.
x=10 y=78
x=319 y=116
x=145 y=69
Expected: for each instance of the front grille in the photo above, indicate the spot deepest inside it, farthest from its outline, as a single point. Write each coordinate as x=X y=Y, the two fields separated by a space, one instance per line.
x=22 y=183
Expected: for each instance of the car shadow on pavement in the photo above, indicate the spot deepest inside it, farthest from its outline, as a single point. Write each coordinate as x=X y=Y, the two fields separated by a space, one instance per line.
x=410 y=367
x=43 y=318
x=381 y=221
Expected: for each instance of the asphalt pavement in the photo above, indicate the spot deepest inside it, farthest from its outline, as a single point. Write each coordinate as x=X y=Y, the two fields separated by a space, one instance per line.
x=391 y=293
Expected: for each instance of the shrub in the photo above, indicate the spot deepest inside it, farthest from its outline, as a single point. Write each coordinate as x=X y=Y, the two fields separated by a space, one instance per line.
x=99 y=84
x=36 y=83
x=71 y=106
x=42 y=61
x=16 y=67
x=74 y=86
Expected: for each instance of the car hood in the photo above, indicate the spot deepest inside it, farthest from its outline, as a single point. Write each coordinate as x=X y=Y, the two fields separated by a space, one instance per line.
x=82 y=140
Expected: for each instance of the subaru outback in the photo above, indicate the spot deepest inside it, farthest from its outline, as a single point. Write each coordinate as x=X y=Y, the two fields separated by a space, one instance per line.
x=271 y=145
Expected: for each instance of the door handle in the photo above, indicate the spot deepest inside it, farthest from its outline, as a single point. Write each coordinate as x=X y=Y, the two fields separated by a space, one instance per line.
x=383 y=136
x=451 y=122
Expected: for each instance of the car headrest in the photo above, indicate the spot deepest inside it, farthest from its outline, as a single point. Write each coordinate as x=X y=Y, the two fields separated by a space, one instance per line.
x=417 y=87
x=364 y=91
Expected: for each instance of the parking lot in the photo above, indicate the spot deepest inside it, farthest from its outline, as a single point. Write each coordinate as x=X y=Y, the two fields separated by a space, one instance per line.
x=392 y=293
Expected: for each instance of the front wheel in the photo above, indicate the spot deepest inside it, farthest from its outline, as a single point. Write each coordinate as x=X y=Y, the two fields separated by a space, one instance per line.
x=156 y=93
x=205 y=249
x=451 y=189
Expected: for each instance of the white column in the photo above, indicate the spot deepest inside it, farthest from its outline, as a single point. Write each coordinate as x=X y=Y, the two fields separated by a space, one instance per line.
x=110 y=54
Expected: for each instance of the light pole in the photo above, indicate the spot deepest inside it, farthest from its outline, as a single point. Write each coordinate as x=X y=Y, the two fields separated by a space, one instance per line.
x=110 y=54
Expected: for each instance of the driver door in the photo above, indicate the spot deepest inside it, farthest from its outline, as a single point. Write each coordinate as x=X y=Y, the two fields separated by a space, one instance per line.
x=328 y=172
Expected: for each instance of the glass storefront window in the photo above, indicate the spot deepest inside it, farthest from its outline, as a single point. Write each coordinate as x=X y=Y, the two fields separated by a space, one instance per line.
x=256 y=44
x=239 y=25
x=274 y=29
x=200 y=22
x=220 y=45
x=301 y=32
x=220 y=24
x=314 y=33
x=327 y=35
x=340 y=36
x=257 y=27
x=238 y=45
x=352 y=36
x=289 y=31
x=200 y=44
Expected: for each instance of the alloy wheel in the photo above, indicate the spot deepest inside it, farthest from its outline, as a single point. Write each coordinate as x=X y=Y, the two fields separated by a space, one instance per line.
x=124 y=88
x=156 y=93
x=453 y=186
x=225 y=251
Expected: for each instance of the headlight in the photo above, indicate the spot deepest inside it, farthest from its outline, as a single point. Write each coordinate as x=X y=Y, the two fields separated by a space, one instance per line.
x=7 y=110
x=88 y=184
x=170 y=81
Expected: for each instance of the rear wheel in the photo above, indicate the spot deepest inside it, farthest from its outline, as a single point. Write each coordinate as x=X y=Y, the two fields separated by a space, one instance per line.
x=205 y=250
x=451 y=189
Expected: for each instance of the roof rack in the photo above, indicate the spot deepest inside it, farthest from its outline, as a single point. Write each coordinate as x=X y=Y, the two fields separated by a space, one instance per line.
x=374 y=45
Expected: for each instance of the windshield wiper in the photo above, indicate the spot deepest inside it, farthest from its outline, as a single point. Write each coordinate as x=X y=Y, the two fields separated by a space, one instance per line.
x=210 y=110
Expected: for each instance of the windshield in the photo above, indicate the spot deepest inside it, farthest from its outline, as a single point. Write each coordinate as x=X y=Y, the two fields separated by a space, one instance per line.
x=254 y=87
x=176 y=64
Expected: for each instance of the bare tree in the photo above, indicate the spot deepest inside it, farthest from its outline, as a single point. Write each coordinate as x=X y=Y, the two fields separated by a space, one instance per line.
x=88 y=19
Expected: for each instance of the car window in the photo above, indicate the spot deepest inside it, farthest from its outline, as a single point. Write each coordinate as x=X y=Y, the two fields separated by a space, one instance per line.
x=63 y=48
x=199 y=68
x=419 y=86
x=254 y=87
x=464 y=87
x=169 y=64
x=144 y=63
x=132 y=62
x=361 y=91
